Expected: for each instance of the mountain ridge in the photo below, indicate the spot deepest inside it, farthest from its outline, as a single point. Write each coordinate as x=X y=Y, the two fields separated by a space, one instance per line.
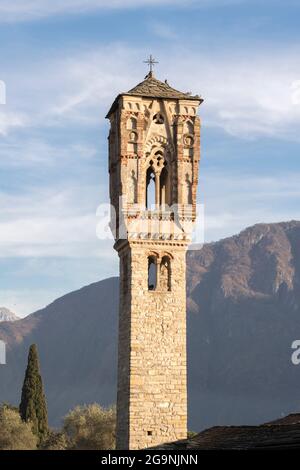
x=7 y=315
x=243 y=302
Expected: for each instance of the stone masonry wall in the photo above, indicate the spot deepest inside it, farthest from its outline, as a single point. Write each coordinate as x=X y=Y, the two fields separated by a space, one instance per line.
x=152 y=390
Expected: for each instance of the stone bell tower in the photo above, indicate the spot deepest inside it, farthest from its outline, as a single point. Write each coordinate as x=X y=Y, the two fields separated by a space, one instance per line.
x=154 y=152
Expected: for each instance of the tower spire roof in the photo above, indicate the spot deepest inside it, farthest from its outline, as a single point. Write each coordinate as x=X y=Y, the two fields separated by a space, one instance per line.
x=151 y=87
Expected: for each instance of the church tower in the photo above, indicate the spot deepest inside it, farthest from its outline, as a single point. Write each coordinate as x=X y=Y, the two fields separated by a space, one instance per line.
x=154 y=152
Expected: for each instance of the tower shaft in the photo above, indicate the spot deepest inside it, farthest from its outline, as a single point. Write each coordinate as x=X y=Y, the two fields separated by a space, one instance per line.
x=154 y=153
x=152 y=389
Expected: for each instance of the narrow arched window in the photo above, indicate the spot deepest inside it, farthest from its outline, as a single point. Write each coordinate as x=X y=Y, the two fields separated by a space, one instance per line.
x=165 y=274
x=164 y=186
x=131 y=123
x=152 y=273
x=150 y=189
x=188 y=127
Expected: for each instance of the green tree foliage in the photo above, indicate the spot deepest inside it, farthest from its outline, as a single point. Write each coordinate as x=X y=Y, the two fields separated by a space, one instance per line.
x=14 y=433
x=33 y=406
x=91 y=427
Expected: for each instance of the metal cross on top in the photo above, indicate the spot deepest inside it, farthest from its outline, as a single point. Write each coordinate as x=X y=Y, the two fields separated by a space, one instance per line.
x=151 y=62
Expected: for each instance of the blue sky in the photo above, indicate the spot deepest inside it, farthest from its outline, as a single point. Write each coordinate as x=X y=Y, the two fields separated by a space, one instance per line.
x=63 y=62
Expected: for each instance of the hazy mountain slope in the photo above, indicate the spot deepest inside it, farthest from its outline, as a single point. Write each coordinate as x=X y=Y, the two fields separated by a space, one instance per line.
x=243 y=314
x=77 y=342
x=244 y=303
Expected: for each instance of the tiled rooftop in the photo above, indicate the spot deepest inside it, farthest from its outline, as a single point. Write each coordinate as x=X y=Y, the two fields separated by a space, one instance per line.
x=150 y=86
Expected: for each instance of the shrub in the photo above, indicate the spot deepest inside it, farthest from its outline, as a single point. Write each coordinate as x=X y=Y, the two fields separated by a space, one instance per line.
x=55 y=441
x=91 y=427
x=14 y=433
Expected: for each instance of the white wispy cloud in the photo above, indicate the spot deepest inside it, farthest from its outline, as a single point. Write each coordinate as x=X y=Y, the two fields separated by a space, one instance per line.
x=163 y=30
x=11 y=120
x=25 y=10
x=247 y=93
x=233 y=201
x=55 y=232
x=61 y=222
x=17 y=152
x=51 y=223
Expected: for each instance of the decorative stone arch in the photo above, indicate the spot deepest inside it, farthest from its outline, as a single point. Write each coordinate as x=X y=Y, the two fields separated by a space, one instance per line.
x=153 y=253
x=167 y=253
x=159 y=158
x=158 y=179
x=157 y=140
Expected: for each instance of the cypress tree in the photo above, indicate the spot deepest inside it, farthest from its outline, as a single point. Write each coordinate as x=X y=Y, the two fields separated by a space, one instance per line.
x=33 y=407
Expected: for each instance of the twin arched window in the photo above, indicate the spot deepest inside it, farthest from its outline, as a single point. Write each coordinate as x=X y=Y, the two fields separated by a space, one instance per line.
x=159 y=273
x=158 y=193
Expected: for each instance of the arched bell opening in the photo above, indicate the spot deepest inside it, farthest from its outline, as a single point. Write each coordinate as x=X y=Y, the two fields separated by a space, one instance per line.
x=152 y=272
x=165 y=274
x=164 y=186
x=150 y=189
